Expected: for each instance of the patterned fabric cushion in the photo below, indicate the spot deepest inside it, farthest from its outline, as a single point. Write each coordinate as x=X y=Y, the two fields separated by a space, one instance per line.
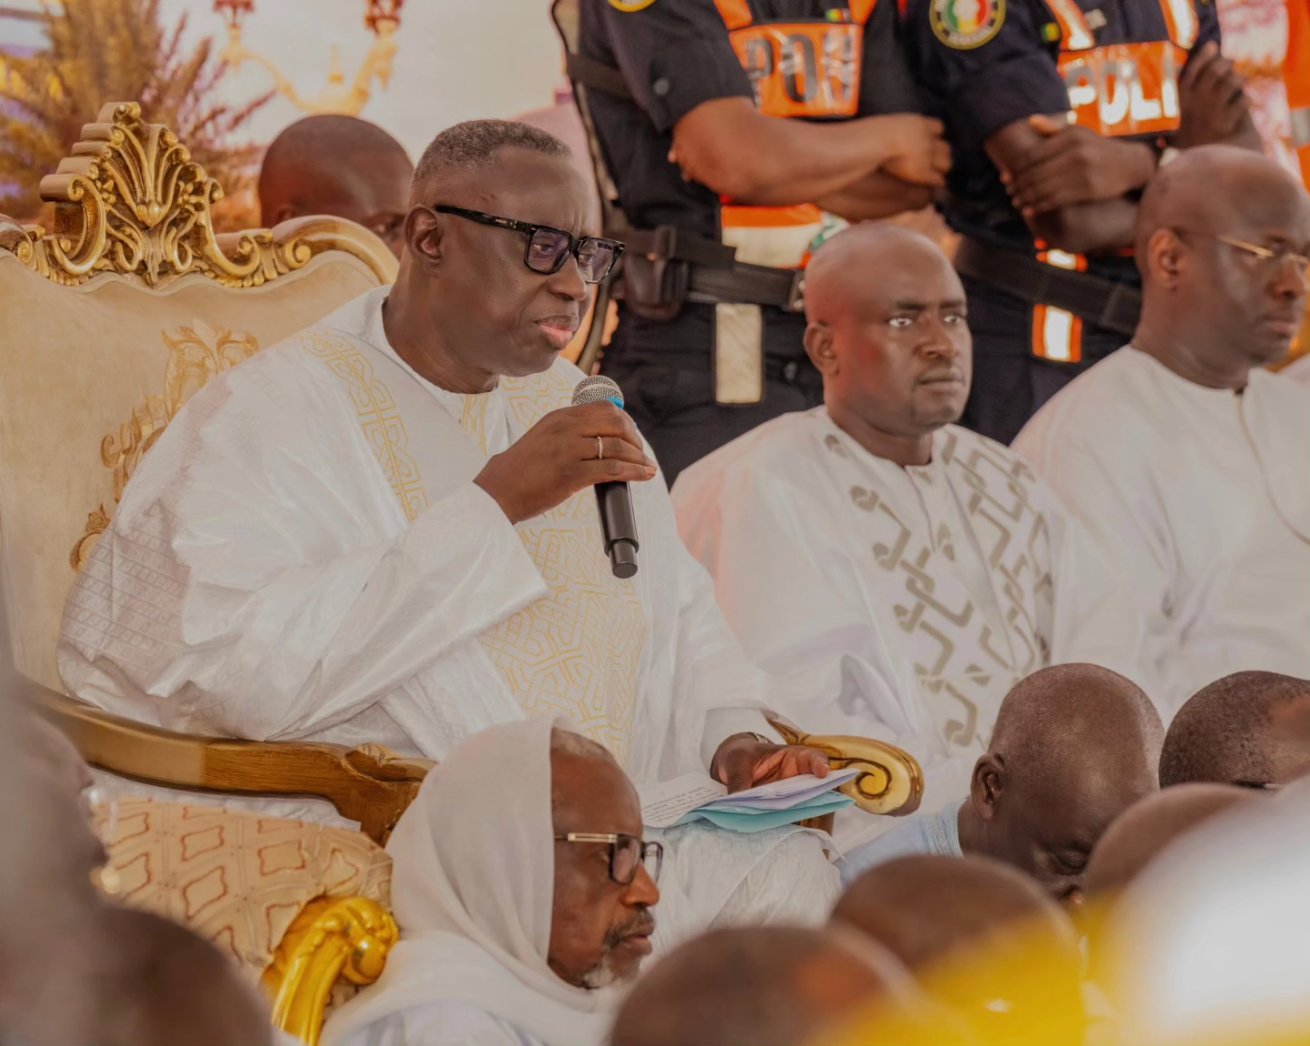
x=236 y=878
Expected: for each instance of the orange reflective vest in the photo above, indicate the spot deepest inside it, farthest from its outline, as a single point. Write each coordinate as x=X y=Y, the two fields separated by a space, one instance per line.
x=1296 y=75
x=811 y=69
x=1116 y=90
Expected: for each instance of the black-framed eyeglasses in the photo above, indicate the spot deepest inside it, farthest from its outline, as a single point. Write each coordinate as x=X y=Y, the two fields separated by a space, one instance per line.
x=548 y=247
x=1268 y=257
x=627 y=854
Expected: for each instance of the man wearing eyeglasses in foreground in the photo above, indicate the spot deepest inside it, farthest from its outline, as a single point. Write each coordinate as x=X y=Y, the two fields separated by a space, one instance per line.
x=507 y=936
x=1180 y=452
x=383 y=531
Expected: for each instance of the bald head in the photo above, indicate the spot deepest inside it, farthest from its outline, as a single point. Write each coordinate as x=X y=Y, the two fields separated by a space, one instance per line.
x=1249 y=728
x=887 y=329
x=972 y=931
x=1146 y=828
x=1212 y=308
x=1062 y=719
x=845 y=269
x=759 y=986
x=337 y=165
x=1206 y=188
x=925 y=907
x=1073 y=747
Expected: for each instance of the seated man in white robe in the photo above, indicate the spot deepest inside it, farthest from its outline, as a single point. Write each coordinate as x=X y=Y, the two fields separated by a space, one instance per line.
x=519 y=899
x=383 y=530
x=1180 y=452
x=902 y=572
x=1074 y=746
x=1250 y=729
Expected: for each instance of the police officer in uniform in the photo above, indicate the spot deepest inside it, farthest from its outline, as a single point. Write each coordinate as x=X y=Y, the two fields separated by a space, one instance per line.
x=1058 y=113
x=720 y=201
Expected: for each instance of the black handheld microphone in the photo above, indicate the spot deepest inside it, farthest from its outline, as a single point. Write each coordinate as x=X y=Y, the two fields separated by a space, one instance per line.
x=618 y=525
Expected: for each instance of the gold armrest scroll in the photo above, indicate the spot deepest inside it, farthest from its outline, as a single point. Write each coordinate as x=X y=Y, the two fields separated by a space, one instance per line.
x=891 y=780
x=332 y=938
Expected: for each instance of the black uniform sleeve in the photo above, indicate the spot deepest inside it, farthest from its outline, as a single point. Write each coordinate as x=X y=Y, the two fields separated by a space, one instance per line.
x=975 y=87
x=674 y=55
x=887 y=83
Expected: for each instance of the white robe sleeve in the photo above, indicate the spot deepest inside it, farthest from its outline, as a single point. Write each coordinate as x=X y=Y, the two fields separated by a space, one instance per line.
x=260 y=580
x=715 y=673
x=795 y=605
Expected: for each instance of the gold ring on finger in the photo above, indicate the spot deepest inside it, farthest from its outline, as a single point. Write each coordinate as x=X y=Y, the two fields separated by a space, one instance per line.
x=600 y=449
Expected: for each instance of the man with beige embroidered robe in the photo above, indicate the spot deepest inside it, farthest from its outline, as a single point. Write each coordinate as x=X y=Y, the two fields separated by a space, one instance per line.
x=899 y=574
x=327 y=544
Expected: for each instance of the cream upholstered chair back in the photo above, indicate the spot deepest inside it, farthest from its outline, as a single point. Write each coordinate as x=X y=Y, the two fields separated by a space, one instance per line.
x=112 y=320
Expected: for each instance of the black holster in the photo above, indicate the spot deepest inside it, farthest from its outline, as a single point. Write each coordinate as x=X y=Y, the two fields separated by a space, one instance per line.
x=653 y=288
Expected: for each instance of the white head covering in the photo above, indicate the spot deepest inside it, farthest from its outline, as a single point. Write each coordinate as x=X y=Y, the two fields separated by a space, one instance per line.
x=472 y=890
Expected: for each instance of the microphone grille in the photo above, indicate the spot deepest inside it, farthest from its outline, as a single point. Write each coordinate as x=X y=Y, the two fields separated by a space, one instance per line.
x=598 y=389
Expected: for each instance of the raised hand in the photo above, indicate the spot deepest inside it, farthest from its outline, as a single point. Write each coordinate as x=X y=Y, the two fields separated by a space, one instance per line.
x=1212 y=100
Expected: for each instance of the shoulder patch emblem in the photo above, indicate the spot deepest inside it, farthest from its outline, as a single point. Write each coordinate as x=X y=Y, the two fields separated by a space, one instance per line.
x=628 y=6
x=964 y=24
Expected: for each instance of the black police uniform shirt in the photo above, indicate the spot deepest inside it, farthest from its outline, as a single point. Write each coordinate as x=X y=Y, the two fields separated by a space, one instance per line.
x=675 y=55
x=984 y=64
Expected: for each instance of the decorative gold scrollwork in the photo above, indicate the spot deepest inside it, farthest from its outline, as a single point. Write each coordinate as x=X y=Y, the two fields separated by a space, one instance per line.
x=130 y=200
x=195 y=355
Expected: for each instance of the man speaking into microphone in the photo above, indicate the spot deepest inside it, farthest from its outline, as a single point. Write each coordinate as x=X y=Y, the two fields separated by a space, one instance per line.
x=382 y=530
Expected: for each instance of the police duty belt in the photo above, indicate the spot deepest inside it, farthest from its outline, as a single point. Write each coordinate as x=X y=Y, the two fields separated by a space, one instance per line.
x=1104 y=303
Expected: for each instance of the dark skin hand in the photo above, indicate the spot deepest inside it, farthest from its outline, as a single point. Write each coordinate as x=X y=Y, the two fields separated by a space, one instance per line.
x=1214 y=106
x=1072 y=164
x=557 y=457
x=1077 y=227
x=1071 y=185
x=744 y=761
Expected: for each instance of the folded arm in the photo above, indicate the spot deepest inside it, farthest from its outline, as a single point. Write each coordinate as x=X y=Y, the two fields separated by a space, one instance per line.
x=729 y=146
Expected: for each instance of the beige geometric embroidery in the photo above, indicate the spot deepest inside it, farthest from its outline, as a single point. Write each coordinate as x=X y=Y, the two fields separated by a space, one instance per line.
x=196 y=354
x=577 y=651
x=378 y=415
x=937 y=617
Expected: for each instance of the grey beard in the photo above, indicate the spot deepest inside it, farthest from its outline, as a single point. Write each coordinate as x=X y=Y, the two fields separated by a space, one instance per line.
x=601 y=975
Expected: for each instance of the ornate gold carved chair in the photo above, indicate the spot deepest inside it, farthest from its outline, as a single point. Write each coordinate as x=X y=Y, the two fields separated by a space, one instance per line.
x=114 y=318
x=119 y=314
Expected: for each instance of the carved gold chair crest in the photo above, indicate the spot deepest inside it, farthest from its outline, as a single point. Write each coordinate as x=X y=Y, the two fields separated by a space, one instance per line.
x=115 y=317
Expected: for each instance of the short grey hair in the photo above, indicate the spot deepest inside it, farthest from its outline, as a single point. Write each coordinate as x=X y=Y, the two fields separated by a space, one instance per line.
x=475 y=143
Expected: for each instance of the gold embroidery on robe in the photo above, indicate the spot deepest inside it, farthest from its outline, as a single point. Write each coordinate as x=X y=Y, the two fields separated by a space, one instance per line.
x=576 y=652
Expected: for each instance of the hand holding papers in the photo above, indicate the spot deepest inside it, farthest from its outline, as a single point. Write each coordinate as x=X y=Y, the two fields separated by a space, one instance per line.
x=696 y=797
